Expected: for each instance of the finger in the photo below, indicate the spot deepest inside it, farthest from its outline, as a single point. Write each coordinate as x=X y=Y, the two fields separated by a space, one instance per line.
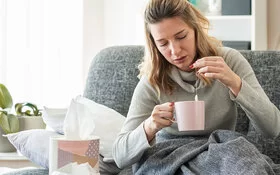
x=162 y=114
x=165 y=114
x=171 y=120
x=165 y=107
x=213 y=75
x=203 y=63
x=161 y=122
x=164 y=121
x=209 y=69
x=210 y=58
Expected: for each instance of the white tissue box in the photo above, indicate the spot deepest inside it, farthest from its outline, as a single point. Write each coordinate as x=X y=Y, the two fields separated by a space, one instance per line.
x=65 y=152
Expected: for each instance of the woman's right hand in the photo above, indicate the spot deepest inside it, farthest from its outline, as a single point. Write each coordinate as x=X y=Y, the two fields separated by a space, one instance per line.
x=161 y=117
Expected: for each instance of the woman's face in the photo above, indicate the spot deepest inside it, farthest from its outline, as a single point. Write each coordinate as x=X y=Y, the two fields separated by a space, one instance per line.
x=175 y=40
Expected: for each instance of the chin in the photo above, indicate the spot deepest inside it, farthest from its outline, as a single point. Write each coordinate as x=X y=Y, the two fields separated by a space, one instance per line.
x=186 y=69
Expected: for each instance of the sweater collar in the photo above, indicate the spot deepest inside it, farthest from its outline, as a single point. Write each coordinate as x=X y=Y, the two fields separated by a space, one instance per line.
x=186 y=80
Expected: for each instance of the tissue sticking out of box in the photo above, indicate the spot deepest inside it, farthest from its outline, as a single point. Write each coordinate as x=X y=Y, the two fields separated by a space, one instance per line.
x=79 y=122
x=87 y=118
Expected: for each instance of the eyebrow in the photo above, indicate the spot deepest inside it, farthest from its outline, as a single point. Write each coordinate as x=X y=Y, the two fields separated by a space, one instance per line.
x=175 y=34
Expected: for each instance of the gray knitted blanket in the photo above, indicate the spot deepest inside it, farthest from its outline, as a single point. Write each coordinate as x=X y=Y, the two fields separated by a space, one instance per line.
x=224 y=152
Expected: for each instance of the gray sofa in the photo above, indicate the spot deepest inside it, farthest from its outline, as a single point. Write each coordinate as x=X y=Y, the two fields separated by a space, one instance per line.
x=113 y=74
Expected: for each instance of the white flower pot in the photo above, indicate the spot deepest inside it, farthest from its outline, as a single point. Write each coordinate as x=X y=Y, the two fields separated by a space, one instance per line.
x=5 y=145
x=31 y=122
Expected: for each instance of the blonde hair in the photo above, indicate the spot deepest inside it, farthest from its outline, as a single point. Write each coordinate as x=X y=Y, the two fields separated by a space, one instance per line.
x=154 y=65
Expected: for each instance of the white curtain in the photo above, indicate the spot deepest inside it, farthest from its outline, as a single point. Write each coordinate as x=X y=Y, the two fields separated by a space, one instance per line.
x=46 y=46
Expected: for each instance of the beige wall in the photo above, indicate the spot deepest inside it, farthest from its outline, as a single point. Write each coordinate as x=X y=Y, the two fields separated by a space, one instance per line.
x=273 y=21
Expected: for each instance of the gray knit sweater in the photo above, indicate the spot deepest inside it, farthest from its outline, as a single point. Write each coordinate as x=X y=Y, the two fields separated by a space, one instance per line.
x=220 y=107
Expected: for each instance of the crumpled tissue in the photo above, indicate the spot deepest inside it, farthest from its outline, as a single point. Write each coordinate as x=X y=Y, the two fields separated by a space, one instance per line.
x=76 y=169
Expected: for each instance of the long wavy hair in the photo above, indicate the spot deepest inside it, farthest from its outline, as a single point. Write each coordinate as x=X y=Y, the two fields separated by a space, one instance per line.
x=154 y=65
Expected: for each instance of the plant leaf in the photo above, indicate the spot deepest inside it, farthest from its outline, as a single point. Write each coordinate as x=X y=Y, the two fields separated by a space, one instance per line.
x=9 y=123
x=4 y=122
x=18 y=108
x=6 y=100
x=14 y=123
x=23 y=109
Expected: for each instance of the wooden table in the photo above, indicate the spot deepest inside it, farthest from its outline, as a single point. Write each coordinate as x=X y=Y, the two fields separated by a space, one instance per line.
x=15 y=160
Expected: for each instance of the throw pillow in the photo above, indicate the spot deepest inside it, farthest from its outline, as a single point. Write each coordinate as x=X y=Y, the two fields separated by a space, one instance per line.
x=54 y=118
x=33 y=144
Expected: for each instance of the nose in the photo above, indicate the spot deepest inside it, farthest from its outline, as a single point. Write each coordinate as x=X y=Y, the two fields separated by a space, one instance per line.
x=175 y=48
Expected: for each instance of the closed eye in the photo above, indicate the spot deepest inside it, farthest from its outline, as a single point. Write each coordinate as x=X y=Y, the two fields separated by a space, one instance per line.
x=163 y=44
x=182 y=37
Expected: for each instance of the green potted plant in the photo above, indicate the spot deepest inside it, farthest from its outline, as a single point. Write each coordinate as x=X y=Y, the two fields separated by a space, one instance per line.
x=8 y=122
x=11 y=123
x=30 y=117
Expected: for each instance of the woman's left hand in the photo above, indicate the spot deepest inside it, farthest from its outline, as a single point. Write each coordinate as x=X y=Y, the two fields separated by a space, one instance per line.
x=216 y=68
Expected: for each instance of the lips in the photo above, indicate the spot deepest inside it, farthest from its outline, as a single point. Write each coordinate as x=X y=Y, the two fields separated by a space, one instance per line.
x=180 y=60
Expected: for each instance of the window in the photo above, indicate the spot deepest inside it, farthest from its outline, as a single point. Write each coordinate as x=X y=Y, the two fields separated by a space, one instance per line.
x=46 y=46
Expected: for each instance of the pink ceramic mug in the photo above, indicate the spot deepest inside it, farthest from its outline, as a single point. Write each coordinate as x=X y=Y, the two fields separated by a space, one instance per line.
x=190 y=115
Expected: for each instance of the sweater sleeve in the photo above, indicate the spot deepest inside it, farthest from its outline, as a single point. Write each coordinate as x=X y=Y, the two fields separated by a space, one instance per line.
x=263 y=114
x=132 y=141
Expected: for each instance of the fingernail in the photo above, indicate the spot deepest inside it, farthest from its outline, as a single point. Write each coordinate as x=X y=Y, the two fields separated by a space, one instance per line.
x=173 y=120
x=171 y=104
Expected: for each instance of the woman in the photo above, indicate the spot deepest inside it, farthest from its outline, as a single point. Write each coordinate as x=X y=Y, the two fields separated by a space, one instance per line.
x=182 y=59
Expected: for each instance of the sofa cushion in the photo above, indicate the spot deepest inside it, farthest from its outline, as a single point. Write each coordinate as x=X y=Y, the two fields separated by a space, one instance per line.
x=112 y=76
x=267 y=146
x=265 y=65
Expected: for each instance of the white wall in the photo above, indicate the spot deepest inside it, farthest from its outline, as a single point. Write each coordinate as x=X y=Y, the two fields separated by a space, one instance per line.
x=111 y=23
x=123 y=22
x=41 y=50
x=93 y=32
x=273 y=20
